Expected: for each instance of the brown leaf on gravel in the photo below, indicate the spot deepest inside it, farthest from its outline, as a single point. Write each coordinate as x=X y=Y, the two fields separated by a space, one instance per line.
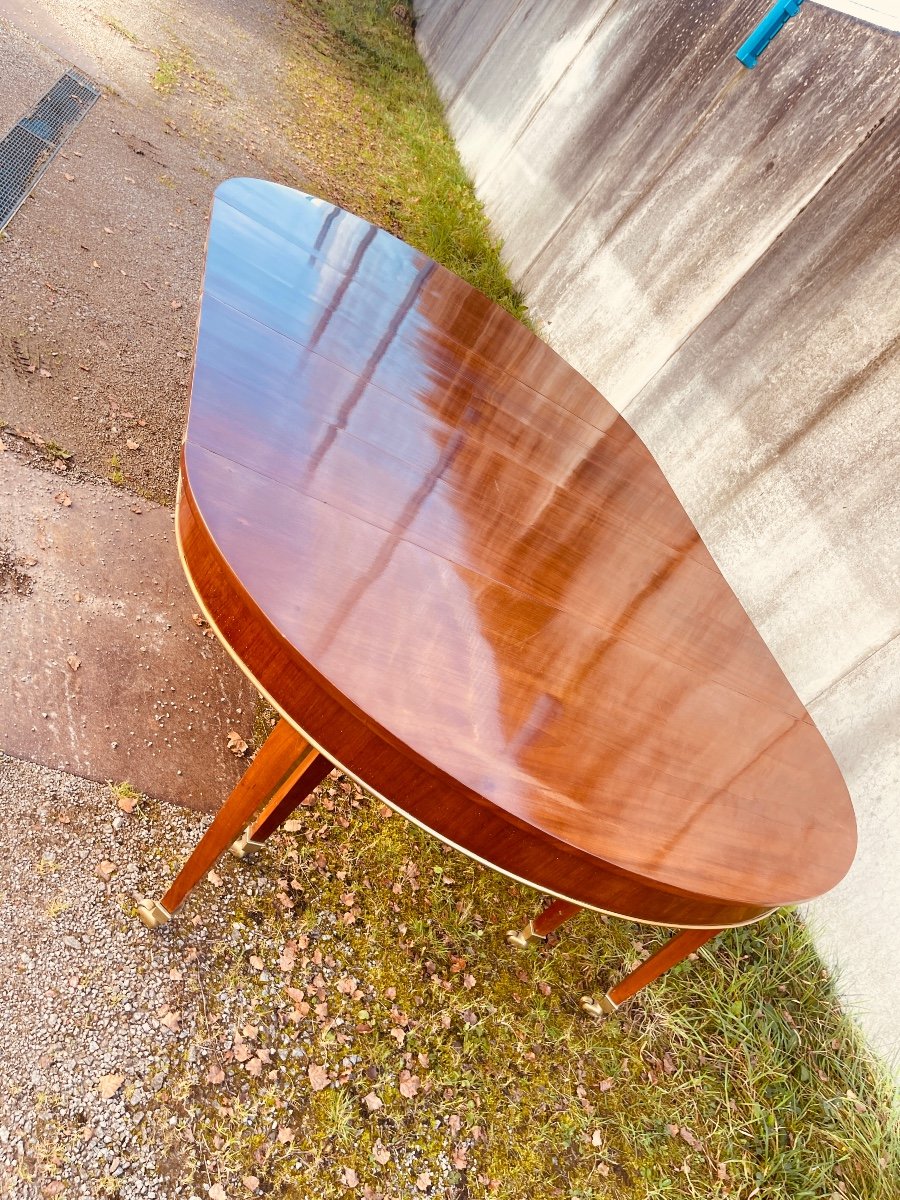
x=288 y=957
x=254 y=1067
x=215 y=1074
x=409 y=1084
x=63 y=499
x=176 y=304
x=423 y=1182
x=241 y=1050
x=217 y=1192
x=105 y=870
x=349 y=1178
x=381 y=1154
x=214 y=878
x=318 y=1077
x=399 y=1034
x=236 y=743
x=459 y=1158
x=74 y=661
x=372 y=1102
x=692 y=1140
x=285 y=1134
x=257 y=963
x=132 y=444
x=172 y=1020
x=108 y=1085
x=606 y=1085
x=127 y=803
x=251 y=1183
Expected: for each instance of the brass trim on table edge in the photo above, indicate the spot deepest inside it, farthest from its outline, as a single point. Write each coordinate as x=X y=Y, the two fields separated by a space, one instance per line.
x=606 y=912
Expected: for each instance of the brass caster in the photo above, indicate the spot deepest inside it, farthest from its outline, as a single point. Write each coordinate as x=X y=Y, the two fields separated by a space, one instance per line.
x=603 y=1007
x=152 y=913
x=523 y=937
x=244 y=847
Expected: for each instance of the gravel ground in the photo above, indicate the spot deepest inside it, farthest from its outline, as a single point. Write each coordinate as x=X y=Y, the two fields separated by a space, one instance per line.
x=87 y=989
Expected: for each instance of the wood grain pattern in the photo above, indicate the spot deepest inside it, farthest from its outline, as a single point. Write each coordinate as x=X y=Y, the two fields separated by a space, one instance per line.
x=460 y=573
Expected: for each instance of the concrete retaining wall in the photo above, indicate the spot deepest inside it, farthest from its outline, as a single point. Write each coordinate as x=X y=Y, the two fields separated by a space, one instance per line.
x=717 y=250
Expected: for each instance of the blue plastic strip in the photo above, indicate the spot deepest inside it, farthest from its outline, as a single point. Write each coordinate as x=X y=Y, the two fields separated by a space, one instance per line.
x=772 y=23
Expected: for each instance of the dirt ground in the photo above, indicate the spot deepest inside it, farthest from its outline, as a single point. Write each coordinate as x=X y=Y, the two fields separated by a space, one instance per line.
x=101 y=268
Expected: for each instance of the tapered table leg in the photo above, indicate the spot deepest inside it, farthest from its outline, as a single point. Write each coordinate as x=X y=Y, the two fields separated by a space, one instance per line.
x=674 y=951
x=545 y=922
x=283 y=766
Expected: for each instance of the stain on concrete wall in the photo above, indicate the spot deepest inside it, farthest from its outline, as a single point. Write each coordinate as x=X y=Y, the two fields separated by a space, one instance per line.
x=717 y=250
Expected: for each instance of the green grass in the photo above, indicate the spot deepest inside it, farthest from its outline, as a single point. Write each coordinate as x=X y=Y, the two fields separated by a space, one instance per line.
x=735 y=1076
x=372 y=128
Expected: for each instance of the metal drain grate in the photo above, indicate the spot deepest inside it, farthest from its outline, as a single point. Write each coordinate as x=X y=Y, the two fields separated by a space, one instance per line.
x=27 y=149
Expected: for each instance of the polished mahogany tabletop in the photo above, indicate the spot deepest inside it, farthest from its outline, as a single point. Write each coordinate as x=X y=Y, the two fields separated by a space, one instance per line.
x=459 y=572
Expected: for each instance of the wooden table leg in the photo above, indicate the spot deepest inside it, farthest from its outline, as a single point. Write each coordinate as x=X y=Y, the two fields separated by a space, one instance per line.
x=282 y=765
x=310 y=773
x=674 y=951
x=545 y=922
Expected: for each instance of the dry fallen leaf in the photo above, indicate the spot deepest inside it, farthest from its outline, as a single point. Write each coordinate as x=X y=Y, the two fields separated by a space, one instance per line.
x=372 y=1102
x=217 y=1192
x=409 y=1084
x=257 y=963
x=214 y=878
x=692 y=1140
x=254 y=1067
x=349 y=1178
x=74 y=661
x=63 y=499
x=381 y=1154
x=108 y=1085
x=215 y=1074
x=285 y=1134
x=318 y=1077
x=172 y=1020
x=596 y=1138
x=72 y=942
x=176 y=304
x=126 y=803
x=423 y=1182
x=105 y=870
x=251 y=1183
x=132 y=444
x=459 y=1158
x=236 y=743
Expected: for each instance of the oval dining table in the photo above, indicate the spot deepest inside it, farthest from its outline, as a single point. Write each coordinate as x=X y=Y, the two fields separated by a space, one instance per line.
x=460 y=577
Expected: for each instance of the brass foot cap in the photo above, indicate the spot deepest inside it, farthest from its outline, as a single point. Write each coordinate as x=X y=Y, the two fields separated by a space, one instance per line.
x=152 y=913
x=598 y=1008
x=523 y=937
x=244 y=847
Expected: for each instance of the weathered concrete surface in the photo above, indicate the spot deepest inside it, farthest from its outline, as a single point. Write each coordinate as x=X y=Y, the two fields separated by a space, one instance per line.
x=717 y=250
x=105 y=672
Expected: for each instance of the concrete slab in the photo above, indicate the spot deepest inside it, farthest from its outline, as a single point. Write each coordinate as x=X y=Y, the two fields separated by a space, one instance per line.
x=107 y=675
